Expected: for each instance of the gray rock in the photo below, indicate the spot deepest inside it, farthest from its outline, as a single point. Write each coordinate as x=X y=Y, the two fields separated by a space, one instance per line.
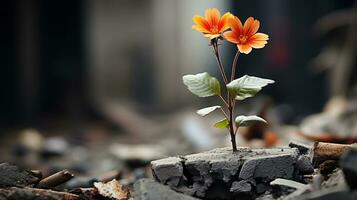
x=304 y=165
x=13 y=176
x=271 y=166
x=147 y=189
x=349 y=167
x=168 y=170
x=241 y=187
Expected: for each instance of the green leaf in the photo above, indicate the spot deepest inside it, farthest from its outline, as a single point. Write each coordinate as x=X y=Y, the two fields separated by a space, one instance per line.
x=247 y=86
x=205 y=111
x=242 y=120
x=202 y=84
x=222 y=123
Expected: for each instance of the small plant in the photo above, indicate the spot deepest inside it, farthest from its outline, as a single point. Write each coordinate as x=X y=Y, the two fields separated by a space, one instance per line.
x=215 y=27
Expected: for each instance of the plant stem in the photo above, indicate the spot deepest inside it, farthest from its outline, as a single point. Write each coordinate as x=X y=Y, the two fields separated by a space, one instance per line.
x=224 y=101
x=234 y=65
x=231 y=128
x=230 y=102
x=218 y=58
x=233 y=73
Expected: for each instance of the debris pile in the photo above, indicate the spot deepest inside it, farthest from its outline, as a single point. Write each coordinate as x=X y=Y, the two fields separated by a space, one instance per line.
x=296 y=171
x=17 y=183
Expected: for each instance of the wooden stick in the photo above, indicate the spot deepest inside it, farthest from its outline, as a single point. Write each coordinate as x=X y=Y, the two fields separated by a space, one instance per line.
x=36 y=194
x=330 y=151
x=55 y=179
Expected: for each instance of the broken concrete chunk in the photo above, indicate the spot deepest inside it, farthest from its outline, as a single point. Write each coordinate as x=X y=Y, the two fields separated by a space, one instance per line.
x=349 y=167
x=241 y=187
x=147 y=189
x=304 y=165
x=269 y=167
x=168 y=170
x=13 y=176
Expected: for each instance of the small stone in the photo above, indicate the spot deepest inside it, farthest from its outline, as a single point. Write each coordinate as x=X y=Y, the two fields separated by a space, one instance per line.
x=303 y=148
x=80 y=182
x=328 y=166
x=349 y=168
x=112 y=190
x=168 y=170
x=241 y=187
x=147 y=189
x=304 y=165
x=13 y=176
x=54 y=146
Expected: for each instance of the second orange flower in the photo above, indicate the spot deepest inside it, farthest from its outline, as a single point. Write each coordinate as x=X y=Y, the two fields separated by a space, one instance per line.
x=246 y=36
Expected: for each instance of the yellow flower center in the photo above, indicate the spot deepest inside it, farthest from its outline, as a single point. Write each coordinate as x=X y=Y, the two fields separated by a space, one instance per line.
x=243 y=38
x=214 y=29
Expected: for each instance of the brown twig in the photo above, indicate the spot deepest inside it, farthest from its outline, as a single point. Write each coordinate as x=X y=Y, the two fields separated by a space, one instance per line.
x=36 y=194
x=55 y=179
x=329 y=151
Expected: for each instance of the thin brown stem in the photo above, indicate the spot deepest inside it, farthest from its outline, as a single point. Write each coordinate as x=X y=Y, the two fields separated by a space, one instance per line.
x=235 y=132
x=223 y=100
x=224 y=113
x=234 y=65
x=219 y=61
x=231 y=128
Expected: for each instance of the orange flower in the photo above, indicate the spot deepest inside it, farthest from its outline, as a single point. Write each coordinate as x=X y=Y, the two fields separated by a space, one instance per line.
x=246 y=37
x=213 y=25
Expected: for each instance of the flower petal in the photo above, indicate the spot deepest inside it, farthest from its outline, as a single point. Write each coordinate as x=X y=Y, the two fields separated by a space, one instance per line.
x=260 y=36
x=251 y=26
x=212 y=36
x=258 y=40
x=201 y=24
x=235 y=24
x=223 y=22
x=230 y=36
x=244 y=48
x=212 y=16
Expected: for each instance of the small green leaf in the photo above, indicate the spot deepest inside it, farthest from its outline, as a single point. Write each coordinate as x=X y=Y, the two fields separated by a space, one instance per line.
x=224 y=123
x=202 y=84
x=205 y=111
x=247 y=86
x=242 y=120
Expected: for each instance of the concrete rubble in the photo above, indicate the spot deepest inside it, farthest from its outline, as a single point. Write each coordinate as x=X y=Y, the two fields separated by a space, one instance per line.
x=219 y=173
x=278 y=173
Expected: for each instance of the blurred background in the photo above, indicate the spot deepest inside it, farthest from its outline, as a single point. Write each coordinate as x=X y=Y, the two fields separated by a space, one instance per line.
x=96 y=85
